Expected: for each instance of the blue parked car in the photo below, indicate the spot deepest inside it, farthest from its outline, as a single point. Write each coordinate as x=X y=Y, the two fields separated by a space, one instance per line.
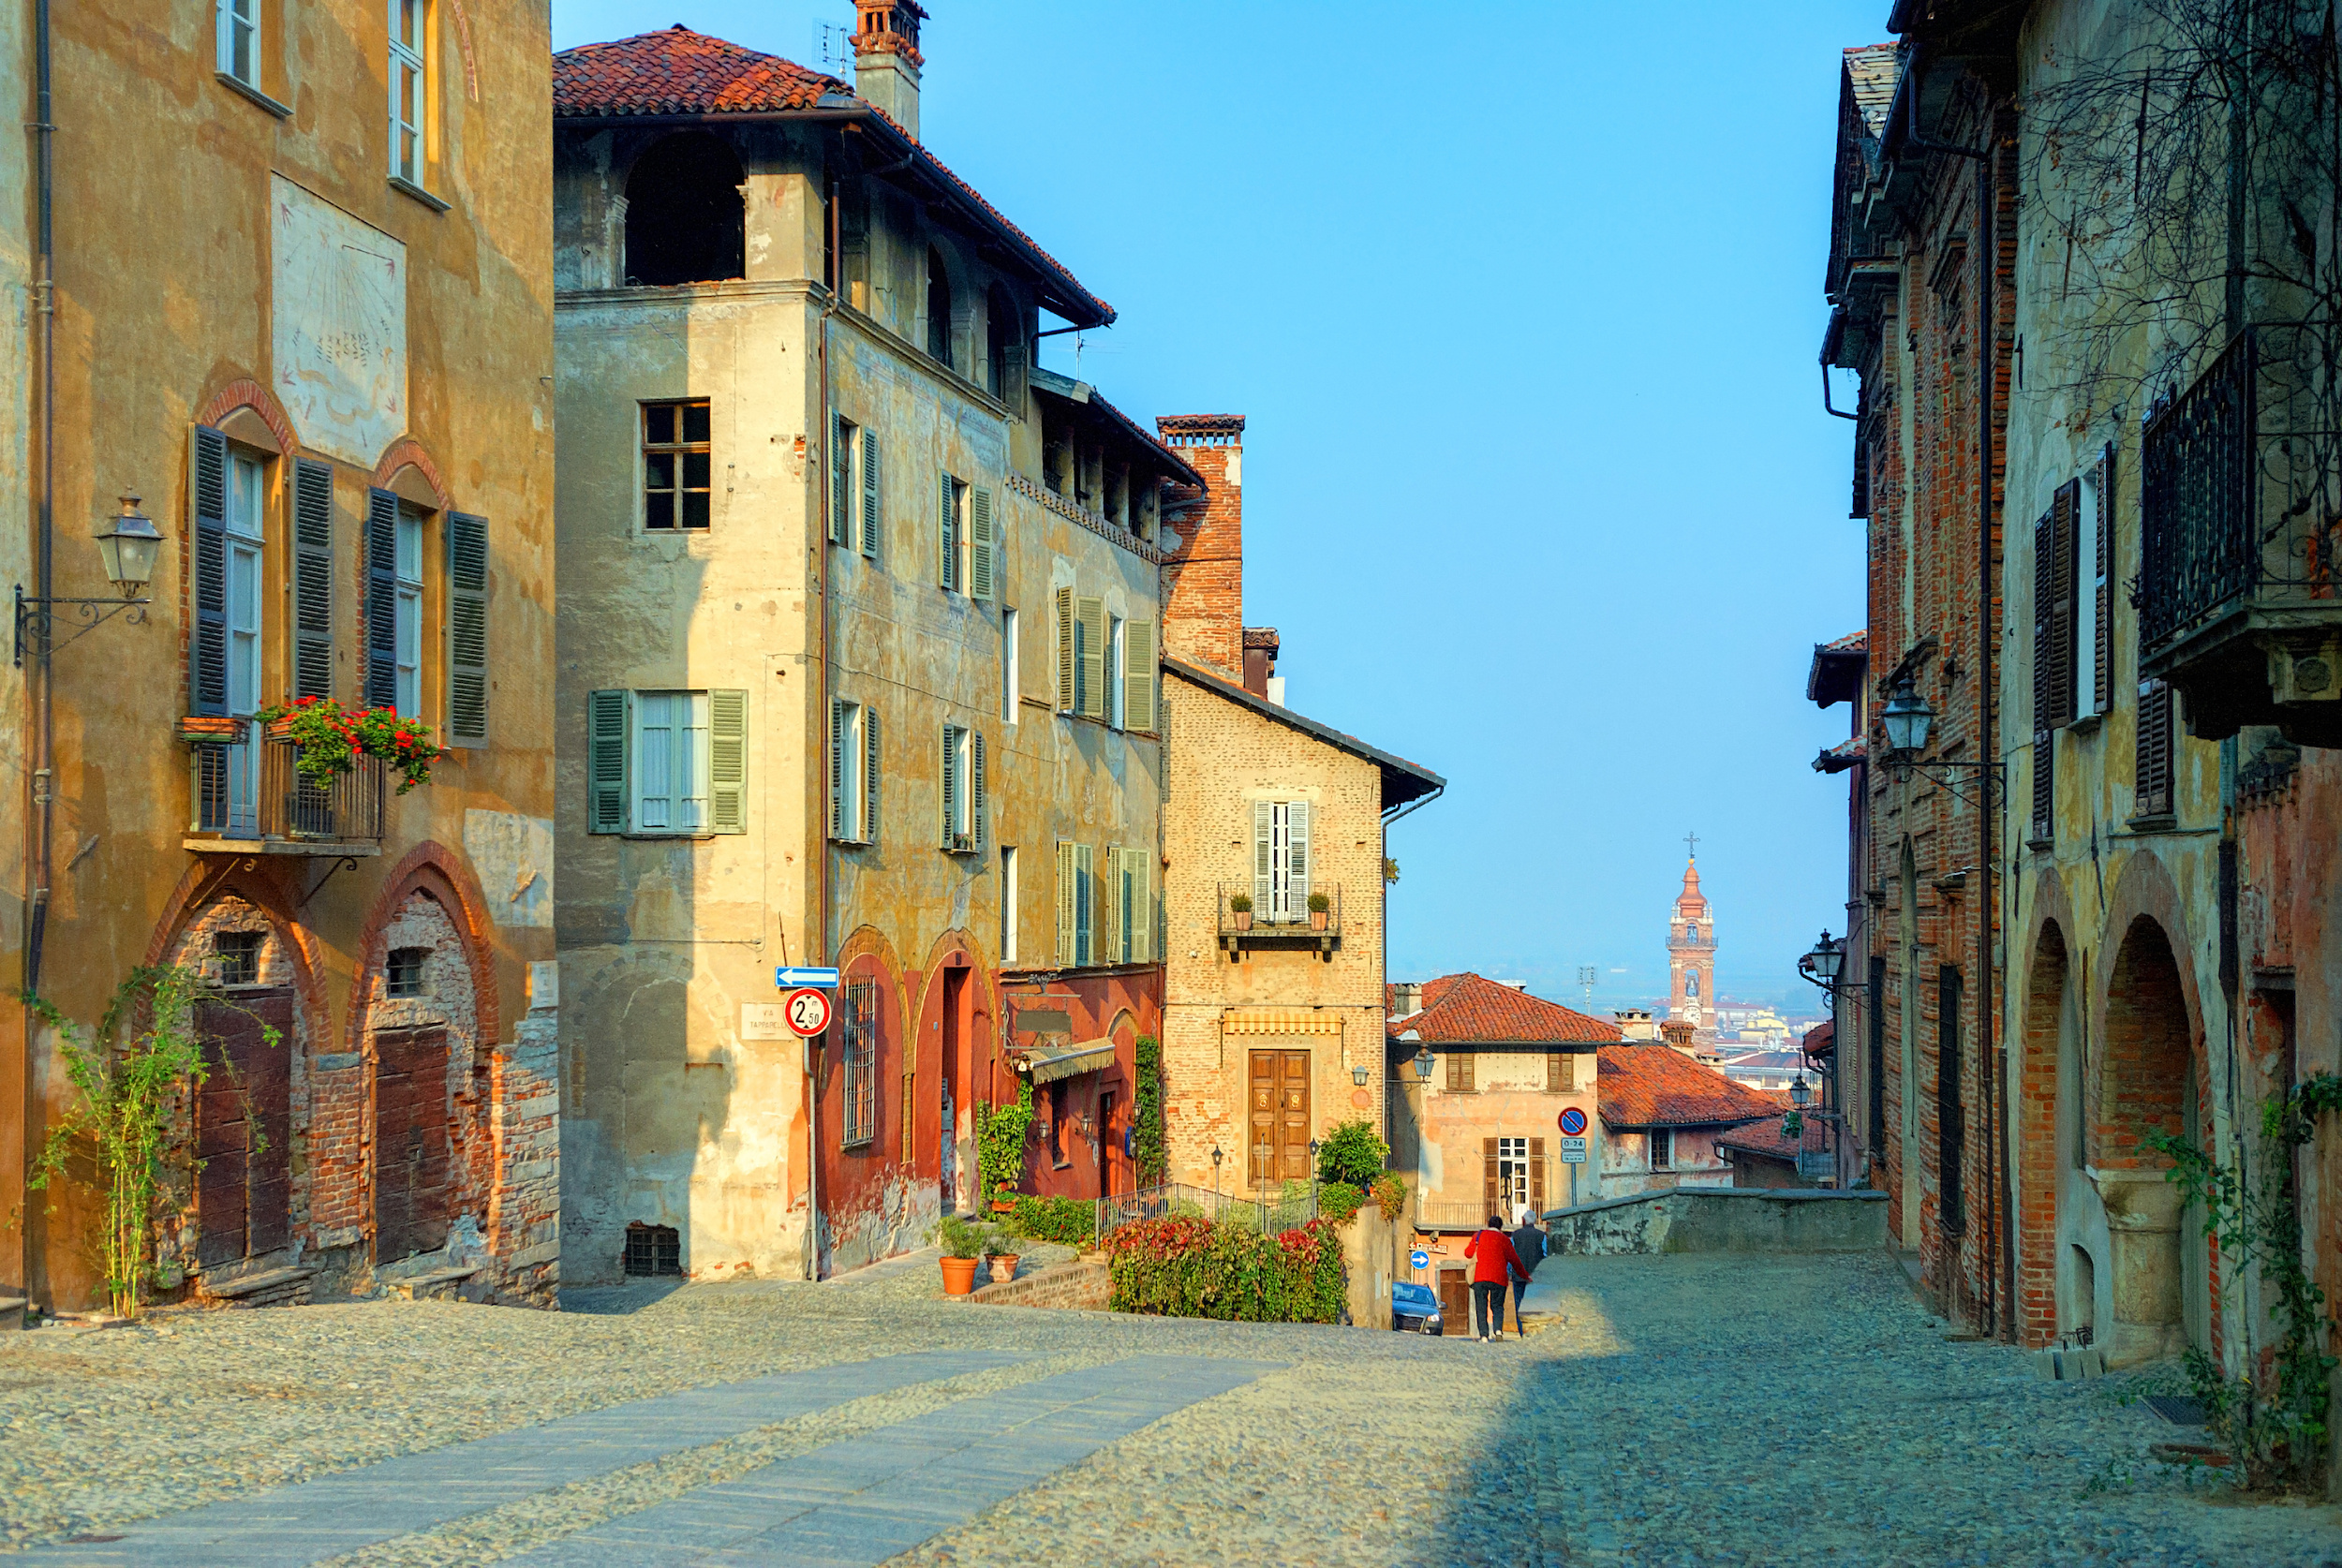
x=1415 y=1310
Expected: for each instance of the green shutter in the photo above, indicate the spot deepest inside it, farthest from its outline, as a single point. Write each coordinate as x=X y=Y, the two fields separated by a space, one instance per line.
x=975 y=788
x=1138 y=676
x=1065 y=650
x=1067 y=908
x=872 y=521
x=467 y=630
x=382 y=598
x=946 y=536
x=980 y=544
x=1086 y=908
x=312 y=578
x=1142 y=865
x=837 y=768
x=207 y=498
x=869 y=774
x=1091 y=615
x=610 y=716
x=728 y=761
x=840 y=480
x=948 y=785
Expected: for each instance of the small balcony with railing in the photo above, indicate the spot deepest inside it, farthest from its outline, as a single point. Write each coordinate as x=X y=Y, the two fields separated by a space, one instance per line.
x=2240 y=497
x=251 y=797
x=1305 y=919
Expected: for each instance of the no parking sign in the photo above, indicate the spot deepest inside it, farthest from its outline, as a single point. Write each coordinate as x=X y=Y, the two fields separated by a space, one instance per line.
x=1572 y=1121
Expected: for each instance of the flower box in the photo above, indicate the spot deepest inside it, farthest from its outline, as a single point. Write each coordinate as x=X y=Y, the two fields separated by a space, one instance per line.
x=211 y=728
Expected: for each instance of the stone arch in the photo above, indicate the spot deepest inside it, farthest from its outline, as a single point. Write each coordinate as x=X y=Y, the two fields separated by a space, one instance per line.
x=685 y=221
x=867 y=1212
x=2044 y=1038
x=407 y=467
x=954 y=1056
x=952 y=329
x=245 y=393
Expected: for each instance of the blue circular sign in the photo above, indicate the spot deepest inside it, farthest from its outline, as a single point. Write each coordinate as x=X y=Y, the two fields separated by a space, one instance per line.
x=1573 y=1122
x=1419 y=1259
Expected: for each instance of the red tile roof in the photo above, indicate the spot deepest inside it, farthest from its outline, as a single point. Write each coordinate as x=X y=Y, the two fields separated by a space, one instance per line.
x=1764 y=1137
x=678 y=72
x=1658 y=1086
x=1821 y=1039
x=1468 y=1009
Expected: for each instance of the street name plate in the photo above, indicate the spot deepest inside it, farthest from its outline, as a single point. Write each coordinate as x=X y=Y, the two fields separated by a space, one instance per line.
x=1573 y=1157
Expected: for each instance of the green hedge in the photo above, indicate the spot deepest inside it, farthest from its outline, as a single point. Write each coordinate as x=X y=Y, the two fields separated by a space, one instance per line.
x=1193 y=1268
x=1067 y=1221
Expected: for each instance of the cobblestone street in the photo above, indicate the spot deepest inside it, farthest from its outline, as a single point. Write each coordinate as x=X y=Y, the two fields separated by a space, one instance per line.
x=1693 y=1411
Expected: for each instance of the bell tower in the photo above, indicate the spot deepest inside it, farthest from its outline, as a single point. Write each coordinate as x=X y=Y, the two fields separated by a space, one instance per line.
x=1692 y=953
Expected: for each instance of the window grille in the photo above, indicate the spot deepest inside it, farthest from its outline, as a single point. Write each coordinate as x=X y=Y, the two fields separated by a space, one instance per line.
x=653 y=1251
x=861 y=1065
x=239 y=957
x=402 y=973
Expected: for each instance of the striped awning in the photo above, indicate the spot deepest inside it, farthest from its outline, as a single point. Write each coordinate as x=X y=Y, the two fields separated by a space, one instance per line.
x=1067 y=1061
x=1281 y=1020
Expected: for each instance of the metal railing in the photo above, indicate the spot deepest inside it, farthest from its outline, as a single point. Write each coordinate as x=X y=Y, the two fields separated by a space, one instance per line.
x=1295 y=1206
x=1447 y=1215
x=2242 y=481
x=280 y=804
x=1296 y=927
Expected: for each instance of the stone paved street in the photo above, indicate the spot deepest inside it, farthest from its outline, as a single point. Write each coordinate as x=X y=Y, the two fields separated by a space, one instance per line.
x=1693 y=1411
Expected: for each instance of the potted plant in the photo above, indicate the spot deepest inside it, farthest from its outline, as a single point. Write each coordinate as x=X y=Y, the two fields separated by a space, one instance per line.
x=331 y=738
x=962 y=1241
x=998 y=1244
x=1319 y=906
x=1003 y=1201
x=1240 y=911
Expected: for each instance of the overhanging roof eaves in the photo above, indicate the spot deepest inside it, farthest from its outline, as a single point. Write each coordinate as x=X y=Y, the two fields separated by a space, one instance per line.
x=1402 y=780
x=1083 y=394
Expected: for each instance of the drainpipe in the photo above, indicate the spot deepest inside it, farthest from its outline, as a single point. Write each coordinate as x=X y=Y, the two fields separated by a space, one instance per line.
x=819 y=859
x=43 y=797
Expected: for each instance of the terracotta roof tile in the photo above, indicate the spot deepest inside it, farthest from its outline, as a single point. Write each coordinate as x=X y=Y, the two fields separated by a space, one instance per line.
x=1467 y=1009
x=1658 y=1086
x=678 y=72
x=1764 y=1137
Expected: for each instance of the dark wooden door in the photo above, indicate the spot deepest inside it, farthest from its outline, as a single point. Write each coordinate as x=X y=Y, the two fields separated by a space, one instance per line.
x=244 y=1127
x=1455 y=1301
x=1109 y=1143
x=1279 y=1117
x=410 y=1142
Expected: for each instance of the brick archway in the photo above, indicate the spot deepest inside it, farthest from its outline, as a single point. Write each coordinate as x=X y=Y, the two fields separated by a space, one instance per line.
x=431 y=868
x=244 y=392
x=2039 y=1104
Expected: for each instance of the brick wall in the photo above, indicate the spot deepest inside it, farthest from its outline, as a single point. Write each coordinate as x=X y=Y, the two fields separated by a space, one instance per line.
x=1081 y=1283
x=1203 y=594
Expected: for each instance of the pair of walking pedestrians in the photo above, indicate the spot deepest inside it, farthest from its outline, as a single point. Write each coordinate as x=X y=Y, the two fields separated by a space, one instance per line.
x=1497 y=1258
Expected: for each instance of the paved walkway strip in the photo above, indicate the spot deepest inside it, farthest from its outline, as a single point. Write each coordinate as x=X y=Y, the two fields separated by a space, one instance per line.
x=863 y=1500
x=291 y=1526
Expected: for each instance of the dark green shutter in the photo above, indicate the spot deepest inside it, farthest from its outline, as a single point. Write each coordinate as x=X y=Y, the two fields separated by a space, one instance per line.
x=728 y=761
x=840 y=480
x=313 y=579
x=837 y=768
x=975 y=788
x=870 y=517
x=946 y=536
x=207 y=495
x=607 y=744
x=467 y=630
x=382 y=598
x=979 y=544
x=949 y=782
x=869 y=774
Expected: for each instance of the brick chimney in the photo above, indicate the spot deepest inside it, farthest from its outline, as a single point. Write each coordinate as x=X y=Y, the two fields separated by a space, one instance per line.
x=1678 y=1033
x=886 y=58
x=1260 y=648
x=1203 y=597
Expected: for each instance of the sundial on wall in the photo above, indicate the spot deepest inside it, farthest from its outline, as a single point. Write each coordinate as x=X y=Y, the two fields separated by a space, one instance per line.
x=338 y=318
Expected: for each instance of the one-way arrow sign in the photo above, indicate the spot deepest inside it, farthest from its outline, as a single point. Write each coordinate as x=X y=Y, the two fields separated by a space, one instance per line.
x=787 y=979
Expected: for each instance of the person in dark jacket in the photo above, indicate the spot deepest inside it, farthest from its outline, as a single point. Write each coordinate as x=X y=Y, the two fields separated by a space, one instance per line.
x=1529 y=1246
x=1493 y=1262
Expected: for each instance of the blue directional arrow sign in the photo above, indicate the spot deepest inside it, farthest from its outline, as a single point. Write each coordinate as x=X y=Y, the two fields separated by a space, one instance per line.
x=1419 y=1259
x=786 y=978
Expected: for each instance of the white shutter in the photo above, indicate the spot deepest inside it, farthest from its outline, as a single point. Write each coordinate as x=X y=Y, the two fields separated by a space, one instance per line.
x=1067 y=908
x=1138 y=676
x=1297 y=872
x=1264 y=830
x=1091 y=615
x=1142 y=865
x=1065 y=650
x=727 y=761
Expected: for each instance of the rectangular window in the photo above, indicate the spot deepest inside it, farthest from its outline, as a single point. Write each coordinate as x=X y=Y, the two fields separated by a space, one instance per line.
x=951 y=534
x=1113 y=674
x=853 y=772
x=1011 y=669
x=1077 y=906
x=1459 y=1074
x=671 y=757
x=1281 y=861
x=1663 y=1148
x=858 y=1121
x=676 y=462
x=239 y=22
x=246 y=546
x=960 y=789
x=1008 y=904
x=402 y=972
x=410 y=88
x=237 y=957
x=1561 y=1075
x=407 y=619
x=1512 y=1177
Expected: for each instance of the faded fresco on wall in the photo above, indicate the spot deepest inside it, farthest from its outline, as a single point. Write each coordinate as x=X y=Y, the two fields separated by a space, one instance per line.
x=513 y=855
x=339 y=331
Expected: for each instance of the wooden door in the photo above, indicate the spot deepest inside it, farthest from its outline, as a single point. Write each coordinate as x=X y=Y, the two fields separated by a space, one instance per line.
x=1279 y=1117
x=244 y=1127
x=410 y=1142
x=1455 y=1301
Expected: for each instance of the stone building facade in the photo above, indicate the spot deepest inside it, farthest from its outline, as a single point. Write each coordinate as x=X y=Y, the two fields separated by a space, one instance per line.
x=330 y=394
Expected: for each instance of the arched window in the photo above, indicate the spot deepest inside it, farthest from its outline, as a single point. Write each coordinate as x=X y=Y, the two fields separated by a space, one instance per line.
x=1691 y=983
x=939 y=308
x=1002 y=333
x=683 y=212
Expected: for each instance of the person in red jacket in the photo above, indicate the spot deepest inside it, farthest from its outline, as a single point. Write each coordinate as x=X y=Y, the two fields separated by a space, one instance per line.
x=1493 y=1264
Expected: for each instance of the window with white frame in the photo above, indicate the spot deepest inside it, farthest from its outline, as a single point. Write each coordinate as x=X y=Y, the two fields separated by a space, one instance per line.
x=1008 y=903
x=1114 y=683
x=960 y=789
x=1077 y=906
x=665 y=763
x=1281 y=859
x=858 y=1121
x=1011 y=671
x=853 y=772
x=1512 y=1175
x=247 y=549
x=239 y=34
x=1663 y=1148
x=409 y=87
x=670 y=761
x=407 y=619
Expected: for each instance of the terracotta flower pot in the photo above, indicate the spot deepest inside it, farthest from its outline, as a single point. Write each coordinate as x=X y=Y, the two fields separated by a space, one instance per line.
x=1003 y=1267
x=959 y=1276
x=1004 y=1205
x=1317 y=919
x=211 y=728
x=1242 y=918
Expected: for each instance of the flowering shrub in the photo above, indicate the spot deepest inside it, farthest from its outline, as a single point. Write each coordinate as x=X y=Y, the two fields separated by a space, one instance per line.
x=1340 y=1202
x=1390 y=1195
x=1193 y=1268
x=332 y=738
x=1067 y=1221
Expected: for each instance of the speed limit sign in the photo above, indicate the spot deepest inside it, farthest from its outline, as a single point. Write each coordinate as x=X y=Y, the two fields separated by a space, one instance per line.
x=808 y=1010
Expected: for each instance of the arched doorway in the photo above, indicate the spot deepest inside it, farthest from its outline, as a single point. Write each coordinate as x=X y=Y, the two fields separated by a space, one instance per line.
x=431 y=1091
x=2148 y=1084
x=2049 y=1302
x=684 y=215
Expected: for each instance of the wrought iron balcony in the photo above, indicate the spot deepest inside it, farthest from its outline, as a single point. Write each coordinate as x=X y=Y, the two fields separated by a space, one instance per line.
x=2241 y=495
x=1292 y=925
x=250 y=798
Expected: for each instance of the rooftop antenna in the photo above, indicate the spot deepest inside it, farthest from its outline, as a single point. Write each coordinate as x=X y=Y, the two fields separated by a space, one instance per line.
x=832 y=50
x=1585 y=978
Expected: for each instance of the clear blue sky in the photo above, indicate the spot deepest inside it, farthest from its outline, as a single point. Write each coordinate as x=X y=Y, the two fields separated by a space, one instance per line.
x=1538 y=488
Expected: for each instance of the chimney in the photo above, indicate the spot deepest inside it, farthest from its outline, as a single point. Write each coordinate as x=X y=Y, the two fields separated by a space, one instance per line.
x=1634 y=1023
x=1260 y=663
x=1678 y=1033
x=886 y=58
x=1203 y=595
x=1406 y=998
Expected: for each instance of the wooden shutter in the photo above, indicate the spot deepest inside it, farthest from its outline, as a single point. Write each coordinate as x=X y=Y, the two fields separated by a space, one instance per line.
x=467 y=630
x=873 y=520
x=2064 y=586
x=1068 y=906
x=1065 y=651
x=1537 y=1180
x=1488 y=1175
x=840 y=480
x=837 y=768
x=946 y=535
x=1142 y=869
x=2152 y=773
x=1557 y=1071
x=869 y=826
x=1114 y=905
x=207 y=496
x=980 y=542
x=948 y=783
x=2044 y=672
x=975 y=788
x=1297 y=857
x=610 y=795
x=2102 y=572
x=1138 y=676
x=382 y=598
x=312 y=578
x=1092 y=614
x=1264 y=837
x=728 y=761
